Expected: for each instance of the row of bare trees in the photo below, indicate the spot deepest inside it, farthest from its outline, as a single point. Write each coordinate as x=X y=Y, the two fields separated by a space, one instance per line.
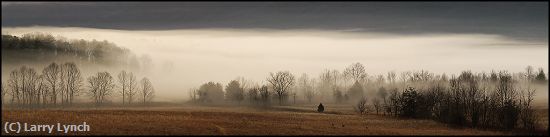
x=466 y=100
x=59 y=85
x=238 y=90
x=348 y=86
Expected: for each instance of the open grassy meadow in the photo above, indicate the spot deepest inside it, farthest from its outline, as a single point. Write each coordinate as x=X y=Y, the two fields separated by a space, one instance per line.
x=203 y=120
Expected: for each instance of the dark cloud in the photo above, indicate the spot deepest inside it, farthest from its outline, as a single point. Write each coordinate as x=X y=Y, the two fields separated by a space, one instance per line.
x=521 y=20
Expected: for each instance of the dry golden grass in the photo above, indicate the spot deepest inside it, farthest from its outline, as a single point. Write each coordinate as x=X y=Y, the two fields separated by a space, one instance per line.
x=191 y=120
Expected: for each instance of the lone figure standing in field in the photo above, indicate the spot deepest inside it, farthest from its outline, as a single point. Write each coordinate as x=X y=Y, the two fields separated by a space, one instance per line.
x=320 y=108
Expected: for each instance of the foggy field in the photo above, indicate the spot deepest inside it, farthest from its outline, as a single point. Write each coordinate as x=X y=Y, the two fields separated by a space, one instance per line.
x=195 y=120
x=276 y=68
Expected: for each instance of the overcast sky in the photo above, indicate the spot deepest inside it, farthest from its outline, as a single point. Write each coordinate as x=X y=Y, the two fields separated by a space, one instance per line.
x=520 y=20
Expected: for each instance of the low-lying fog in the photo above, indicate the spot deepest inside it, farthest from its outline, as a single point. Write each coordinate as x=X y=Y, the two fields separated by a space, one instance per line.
x=221 y=55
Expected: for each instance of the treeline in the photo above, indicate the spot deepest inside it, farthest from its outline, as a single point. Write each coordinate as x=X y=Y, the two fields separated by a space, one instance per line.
x=60 y=84
x=40 y=47
x=500 y=100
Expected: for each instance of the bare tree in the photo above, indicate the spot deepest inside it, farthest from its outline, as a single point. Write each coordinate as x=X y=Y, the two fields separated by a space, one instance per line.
x=146 y=90
x=16 y=86
x=245 y=83
x=264 y=95
x=193 y=94
x=361 y=106
x=306 y=85
x=529 y=73
x=391 y=77
x=71 y=82
x=376 y=104
x=51 y=75
x=406 y=75
x=122 y=80
x=328 y=83
x=281 y=81
x=253 y=95
x=356 y=71
x=24 y=84
x=101 y=86
x=128 y=83
x=132 y=87
x=528 y=117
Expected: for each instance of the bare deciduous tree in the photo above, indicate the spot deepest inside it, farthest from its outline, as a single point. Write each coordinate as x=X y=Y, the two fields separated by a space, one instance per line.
x=281 y=81
x=376 y=104
x=391 y=77
x=356 y=71
x=146 y=90
x=24 y=83
x=101 y=86
x=193 y=94
x=306 y=86
x=361 y=106
x=128 y=83
x=71 y=82
x=264 y=95
x=51 y=75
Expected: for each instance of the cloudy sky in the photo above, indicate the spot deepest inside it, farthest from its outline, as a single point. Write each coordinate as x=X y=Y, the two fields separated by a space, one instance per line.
x=220 y=41
x=515 y=19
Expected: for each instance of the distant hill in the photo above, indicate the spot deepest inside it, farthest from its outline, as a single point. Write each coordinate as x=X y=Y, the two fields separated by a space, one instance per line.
x=41 y=48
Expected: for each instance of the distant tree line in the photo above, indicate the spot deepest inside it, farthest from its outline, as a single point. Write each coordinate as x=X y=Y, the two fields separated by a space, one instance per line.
x=498 y=100
x=60 y=84
x=480 y=101
x=45 y=47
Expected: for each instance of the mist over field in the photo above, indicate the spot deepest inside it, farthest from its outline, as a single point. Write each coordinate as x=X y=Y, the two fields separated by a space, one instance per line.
x=275 y=68
x=184 y=59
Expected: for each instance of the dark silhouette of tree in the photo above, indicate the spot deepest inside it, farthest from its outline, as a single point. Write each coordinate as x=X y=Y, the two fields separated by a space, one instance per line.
x=210 y=92
x=100 y=87
x=383 y=94
x=361 y=106
x=52 y=76
x=541 y=77
x=356 y=71
x=71 y=82
x=281 y=82
x=128 y=83
x=254 y=95
x=376 y=104
x=26 y=87
x=234 y=91
x=50 y=48
x=409 y=102
x=264 y=95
